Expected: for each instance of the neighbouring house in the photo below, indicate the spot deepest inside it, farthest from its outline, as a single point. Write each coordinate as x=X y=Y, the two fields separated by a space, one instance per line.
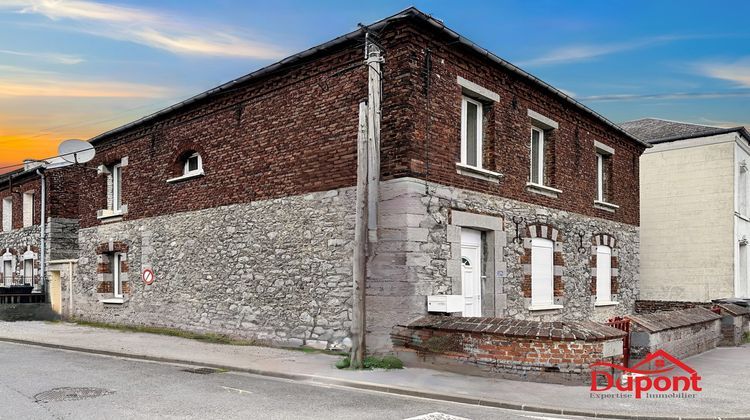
x=21 y=250
x=695 y=215
x=233 y=211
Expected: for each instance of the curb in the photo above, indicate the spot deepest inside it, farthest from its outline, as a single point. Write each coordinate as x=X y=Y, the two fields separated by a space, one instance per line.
x=368 y=386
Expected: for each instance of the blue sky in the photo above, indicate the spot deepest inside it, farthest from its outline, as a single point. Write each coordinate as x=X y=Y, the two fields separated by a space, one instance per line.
x=78 y=67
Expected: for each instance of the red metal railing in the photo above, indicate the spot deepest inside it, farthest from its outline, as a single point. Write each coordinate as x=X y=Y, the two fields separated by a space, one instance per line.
x=623 y=324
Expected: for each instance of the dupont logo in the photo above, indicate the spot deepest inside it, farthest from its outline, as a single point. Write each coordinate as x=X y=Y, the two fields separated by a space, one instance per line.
x=669 y=378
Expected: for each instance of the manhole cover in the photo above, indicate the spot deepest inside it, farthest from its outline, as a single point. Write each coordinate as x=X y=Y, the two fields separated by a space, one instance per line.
x=201 y=371
x=71 y=394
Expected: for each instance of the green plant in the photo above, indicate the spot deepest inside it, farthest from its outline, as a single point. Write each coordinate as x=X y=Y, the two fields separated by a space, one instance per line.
x=386 y=362
x=343 y=363
x=746 y=338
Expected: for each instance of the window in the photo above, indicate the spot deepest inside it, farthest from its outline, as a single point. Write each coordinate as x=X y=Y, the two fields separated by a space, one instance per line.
x=603 y=176
x=116 y=188
x=742 y=189
x=537 y=156
x=743 y=289
x=28 y=271
x=603 y=274
x=7 y=214
x=542 y=272
x=471 y=132
x=7 y=271
x=116 y=274
x=193 y=165
x=28 y=209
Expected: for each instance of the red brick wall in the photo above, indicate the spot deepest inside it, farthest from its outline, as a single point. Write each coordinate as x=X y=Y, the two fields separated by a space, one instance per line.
x=295 y=132
x=62 y=193
x=283 y=135
x=507 y=130
x=21 y=186
x=534 y=359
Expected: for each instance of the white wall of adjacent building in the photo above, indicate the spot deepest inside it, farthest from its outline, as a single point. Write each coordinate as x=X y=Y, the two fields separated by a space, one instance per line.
x=688 y=229
x=742 y=220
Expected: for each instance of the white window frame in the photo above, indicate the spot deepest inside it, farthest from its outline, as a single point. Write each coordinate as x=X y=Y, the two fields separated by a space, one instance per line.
x=186 y=169
x=603 y=274
x=7 y=271
x=540 y=158
x=116 y=275
x=28 y=271
x=28 y=209
x=7 y=214
x=600 y=176
x=464 y=140
x=116 y=187
x=542 y=290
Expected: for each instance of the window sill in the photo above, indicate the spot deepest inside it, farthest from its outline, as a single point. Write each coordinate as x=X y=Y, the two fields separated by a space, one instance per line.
x=113 y=301
x=543 y=190
x=608 y=303
x=545 y=307
x=479 y=173
x=603 y=205
x=111 y=215
x=187 y=176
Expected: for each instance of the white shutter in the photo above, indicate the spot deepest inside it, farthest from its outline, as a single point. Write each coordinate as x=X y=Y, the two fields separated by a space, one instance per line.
x=603 y=273
x=542 y=272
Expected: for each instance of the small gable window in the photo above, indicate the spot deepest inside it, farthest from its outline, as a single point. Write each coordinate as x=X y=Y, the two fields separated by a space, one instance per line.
x=191 y=164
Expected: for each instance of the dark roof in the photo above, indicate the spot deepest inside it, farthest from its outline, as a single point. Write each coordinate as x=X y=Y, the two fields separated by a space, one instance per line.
x=655 y=130
x=410 y=13
x=660 y=321
x=509 y=327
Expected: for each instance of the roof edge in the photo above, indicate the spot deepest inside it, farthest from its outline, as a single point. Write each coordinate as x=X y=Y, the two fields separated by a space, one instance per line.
x=741 y=130
x=408 y=12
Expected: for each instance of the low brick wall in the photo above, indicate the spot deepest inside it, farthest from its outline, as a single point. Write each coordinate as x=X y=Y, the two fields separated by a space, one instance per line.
x=558 y=352
x=734 y=324
x=681 y=333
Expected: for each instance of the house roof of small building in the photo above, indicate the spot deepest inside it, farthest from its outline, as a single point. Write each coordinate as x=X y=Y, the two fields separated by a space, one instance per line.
x=656 y=130
x=409 y=13
x=509 y=327
x=660 y=321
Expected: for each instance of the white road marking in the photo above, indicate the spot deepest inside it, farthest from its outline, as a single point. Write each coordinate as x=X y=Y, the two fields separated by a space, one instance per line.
x=237 y=390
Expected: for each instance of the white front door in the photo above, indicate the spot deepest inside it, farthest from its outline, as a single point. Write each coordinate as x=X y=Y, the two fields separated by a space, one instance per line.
x=471 y=271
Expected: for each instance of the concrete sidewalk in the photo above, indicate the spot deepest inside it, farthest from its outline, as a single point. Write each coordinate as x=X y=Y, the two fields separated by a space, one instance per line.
x=725 y=373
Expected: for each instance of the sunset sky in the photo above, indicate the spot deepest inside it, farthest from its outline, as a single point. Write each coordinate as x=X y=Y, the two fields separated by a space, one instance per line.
x=73 y=69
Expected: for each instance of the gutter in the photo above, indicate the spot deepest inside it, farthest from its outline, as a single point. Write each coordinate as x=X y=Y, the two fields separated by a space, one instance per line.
x=409 y=12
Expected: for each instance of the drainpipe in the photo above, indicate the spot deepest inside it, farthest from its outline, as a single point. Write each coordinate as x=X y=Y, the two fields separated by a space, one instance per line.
x=43 y=236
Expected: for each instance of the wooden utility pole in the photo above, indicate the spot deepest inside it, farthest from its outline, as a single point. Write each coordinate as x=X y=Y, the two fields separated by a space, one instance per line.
x=374 y=59
x=359 y=261
x=368 y=179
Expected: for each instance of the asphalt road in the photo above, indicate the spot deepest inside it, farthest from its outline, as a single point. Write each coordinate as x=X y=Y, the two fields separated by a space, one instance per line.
x=31 y=378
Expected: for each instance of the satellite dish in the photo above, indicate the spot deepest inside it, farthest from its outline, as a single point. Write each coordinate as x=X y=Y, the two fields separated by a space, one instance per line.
x=76 y=151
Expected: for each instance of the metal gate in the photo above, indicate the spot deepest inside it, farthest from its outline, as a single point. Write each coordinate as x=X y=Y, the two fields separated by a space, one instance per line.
x=623 y=324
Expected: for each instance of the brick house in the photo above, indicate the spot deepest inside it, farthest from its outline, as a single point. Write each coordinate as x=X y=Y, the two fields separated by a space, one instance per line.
x=20 y=232
x=495 y=187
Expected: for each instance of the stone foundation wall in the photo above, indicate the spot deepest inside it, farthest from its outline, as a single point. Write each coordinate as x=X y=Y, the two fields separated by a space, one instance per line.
x=277 y=271
x=558 y=352
x=419 y=248
x=680 y=333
